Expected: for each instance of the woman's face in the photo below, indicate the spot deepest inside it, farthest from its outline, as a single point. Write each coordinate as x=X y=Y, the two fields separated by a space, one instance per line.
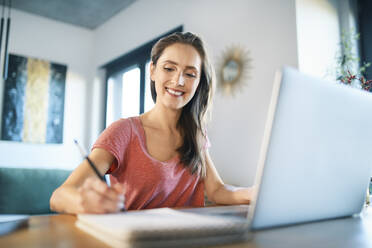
x=176 y=75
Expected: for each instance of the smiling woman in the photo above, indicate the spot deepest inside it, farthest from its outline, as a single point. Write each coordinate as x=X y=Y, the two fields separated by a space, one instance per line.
x=160 y=158
x=179 y=63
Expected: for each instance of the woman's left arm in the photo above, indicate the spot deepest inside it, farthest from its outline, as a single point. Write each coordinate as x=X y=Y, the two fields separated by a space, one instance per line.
x=221 y=193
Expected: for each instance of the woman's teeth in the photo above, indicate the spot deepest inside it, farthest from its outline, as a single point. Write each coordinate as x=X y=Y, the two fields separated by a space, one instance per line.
x=173 y=92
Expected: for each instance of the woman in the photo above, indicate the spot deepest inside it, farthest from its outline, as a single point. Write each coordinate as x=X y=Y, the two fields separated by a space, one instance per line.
x=161 y=158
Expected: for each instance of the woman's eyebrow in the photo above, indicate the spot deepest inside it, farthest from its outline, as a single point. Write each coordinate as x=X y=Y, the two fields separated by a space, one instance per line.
x=187 y=67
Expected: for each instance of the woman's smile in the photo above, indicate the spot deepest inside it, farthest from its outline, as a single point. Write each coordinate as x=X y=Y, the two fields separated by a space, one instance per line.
x=174 y=92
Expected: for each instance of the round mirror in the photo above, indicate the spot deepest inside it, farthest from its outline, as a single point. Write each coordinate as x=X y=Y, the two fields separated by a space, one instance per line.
x=233 y=69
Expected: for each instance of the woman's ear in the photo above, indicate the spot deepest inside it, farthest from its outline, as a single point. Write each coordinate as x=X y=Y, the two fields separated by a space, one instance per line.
x=152 y=71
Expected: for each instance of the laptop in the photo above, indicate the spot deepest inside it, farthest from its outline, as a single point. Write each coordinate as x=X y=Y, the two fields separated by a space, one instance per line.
x=11 y=222
x=315 y=160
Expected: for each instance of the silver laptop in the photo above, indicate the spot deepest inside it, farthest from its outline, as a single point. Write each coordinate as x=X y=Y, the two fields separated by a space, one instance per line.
x=316 y=159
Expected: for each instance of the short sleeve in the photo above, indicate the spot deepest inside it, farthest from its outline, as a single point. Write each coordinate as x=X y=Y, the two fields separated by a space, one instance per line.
x=115 y=139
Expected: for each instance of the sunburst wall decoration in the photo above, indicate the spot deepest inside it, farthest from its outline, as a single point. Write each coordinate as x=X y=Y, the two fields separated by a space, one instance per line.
x=233 y=70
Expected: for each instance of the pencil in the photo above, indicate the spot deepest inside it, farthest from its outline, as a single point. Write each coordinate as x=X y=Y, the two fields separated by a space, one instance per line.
x=90 y=162
x=85 y=155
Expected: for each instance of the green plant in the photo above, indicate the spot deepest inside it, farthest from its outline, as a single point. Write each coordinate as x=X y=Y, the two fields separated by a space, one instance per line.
x=347 y=61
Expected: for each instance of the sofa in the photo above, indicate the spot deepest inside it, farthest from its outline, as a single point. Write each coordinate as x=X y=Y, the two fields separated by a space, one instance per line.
x=27 y=191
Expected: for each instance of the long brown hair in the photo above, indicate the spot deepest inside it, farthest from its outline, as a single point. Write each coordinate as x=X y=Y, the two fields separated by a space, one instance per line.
x=192 y=122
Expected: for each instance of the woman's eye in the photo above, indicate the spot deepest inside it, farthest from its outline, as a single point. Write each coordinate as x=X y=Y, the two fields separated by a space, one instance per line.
x=190 y=75
x=168 y=69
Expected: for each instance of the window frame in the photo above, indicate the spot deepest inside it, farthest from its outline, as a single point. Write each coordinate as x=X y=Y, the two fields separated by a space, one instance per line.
x=364 y=21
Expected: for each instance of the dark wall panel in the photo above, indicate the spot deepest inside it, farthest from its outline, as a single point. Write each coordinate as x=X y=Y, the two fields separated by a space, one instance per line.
x=56 y=103
x=13 y=101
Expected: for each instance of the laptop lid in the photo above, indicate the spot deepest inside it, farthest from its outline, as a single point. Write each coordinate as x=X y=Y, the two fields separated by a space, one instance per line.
x=316 y=159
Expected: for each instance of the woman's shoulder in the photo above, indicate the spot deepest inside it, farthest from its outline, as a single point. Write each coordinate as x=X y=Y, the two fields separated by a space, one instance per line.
x=123 y=123
x=120 y=132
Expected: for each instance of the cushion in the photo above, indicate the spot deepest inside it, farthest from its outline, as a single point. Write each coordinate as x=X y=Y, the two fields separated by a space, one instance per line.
x=27 y=191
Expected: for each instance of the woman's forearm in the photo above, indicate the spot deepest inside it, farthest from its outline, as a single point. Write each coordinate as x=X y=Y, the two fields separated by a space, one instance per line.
x=227 y=194
x=66 y=199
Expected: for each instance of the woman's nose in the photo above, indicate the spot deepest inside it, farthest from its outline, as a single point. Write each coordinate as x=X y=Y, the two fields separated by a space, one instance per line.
x=180 y=80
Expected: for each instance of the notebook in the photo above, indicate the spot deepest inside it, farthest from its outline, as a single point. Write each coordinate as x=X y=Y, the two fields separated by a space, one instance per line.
x=163 y=227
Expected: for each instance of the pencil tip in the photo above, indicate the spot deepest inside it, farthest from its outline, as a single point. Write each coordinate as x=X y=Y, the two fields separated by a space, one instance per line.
x=75 y=141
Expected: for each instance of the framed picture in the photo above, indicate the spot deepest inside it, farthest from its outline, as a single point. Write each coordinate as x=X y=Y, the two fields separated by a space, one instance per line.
x=33 y=102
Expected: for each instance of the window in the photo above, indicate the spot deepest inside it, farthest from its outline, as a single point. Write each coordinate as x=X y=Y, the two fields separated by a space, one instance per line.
x=317 y=19
x=130 y=93
x=128 y=90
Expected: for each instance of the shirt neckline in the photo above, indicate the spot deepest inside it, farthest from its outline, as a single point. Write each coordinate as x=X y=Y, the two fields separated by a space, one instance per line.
x=144 y=145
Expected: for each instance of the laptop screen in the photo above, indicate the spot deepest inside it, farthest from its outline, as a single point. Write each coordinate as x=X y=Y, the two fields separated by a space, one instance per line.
x=315 y=152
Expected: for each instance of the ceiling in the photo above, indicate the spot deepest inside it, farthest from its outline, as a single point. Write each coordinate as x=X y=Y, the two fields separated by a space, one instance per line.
x=84 y=13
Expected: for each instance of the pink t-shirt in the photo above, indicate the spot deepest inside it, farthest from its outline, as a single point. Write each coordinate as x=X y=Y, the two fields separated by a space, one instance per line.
x=149 y=183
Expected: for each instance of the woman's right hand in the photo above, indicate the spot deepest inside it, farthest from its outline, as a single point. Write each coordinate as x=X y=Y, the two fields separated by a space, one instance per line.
x=98 y=198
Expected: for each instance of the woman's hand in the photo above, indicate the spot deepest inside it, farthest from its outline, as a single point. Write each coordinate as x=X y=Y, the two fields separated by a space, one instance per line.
x=98 y=198
x=244 y=195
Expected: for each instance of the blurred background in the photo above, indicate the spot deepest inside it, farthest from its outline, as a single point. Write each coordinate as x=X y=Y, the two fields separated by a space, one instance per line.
x=102 y=51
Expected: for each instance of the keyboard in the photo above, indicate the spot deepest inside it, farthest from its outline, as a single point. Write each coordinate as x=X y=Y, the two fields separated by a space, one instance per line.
x=234 y=210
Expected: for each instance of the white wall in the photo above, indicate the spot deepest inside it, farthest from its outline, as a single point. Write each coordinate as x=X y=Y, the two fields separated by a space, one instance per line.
x=38 y=37
x=266 y=28
x=318 y=33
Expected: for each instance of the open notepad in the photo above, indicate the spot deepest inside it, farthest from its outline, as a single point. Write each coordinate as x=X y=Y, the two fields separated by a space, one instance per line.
x=163 y=227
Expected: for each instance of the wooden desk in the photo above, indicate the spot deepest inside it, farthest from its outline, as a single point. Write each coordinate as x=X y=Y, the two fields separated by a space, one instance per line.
x=60 y=231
